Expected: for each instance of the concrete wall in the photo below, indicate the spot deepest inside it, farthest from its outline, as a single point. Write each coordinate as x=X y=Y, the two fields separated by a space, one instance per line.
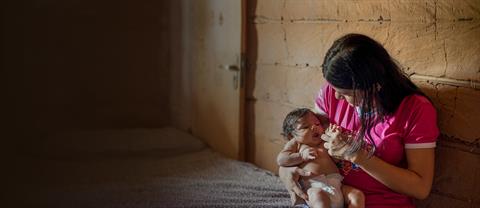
x=436 y=41
x=83 y=65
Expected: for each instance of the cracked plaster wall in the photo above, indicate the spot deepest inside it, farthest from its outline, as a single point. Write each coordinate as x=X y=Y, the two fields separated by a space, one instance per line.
x=437 y=42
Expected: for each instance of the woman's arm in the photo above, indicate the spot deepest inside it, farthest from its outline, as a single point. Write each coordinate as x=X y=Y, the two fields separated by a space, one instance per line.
x=415 y=180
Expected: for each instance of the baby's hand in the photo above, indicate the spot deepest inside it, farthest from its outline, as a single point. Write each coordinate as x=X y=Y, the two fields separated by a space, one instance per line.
x=309 y=153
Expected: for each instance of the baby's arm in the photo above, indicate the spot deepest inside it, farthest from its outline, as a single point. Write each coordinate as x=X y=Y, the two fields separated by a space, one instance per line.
x=290 y=156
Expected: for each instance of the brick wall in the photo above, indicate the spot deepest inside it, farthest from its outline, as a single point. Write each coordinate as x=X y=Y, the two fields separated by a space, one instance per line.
x=435 y=41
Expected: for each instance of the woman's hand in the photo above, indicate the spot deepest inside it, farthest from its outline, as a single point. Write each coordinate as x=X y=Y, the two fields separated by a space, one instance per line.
x=290 y=176
x=336 y=142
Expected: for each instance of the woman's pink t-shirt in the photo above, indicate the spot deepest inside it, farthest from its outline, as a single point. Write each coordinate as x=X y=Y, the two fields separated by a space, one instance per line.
x=413 y=125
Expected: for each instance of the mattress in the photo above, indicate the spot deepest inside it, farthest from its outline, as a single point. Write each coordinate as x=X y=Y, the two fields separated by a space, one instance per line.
x=139 y=168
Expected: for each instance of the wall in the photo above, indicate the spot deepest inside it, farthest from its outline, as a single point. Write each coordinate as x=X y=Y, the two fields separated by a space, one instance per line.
x=436 y=41
x=181 y=74
x=83 y=65
x=209 y=37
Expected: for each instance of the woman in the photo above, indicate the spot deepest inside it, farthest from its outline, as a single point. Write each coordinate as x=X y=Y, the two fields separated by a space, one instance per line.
x=391 y=158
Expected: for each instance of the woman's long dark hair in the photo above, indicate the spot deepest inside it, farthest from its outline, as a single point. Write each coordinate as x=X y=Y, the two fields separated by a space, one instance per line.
x=356 y=61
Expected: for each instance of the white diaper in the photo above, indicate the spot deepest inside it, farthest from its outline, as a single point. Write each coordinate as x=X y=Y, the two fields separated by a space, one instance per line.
x=332 y=184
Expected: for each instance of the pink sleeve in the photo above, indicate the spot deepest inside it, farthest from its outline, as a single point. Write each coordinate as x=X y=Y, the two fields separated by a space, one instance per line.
x=321 y=106
x=422 y=130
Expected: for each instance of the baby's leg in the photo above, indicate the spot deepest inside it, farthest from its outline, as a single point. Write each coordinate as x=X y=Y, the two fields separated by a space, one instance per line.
x=295 y=199
x=317 y=198
x=354 y=198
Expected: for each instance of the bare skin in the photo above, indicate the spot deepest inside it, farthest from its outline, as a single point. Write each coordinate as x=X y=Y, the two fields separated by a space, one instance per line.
x=307 y=151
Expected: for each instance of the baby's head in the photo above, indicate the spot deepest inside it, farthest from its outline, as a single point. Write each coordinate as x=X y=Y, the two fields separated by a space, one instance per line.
x=302 y=125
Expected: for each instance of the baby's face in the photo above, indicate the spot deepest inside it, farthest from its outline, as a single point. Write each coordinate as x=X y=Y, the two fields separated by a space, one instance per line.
x=308 y=130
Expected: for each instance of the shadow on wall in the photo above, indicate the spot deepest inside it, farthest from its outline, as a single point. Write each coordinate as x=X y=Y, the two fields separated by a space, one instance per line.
x=252 y=54
x=456 y=159
x=89 y=64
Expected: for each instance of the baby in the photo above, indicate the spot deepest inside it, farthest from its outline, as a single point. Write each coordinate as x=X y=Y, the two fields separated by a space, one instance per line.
x=305 y=149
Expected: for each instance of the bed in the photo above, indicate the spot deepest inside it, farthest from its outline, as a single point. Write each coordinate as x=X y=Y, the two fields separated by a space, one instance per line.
x=140 y=168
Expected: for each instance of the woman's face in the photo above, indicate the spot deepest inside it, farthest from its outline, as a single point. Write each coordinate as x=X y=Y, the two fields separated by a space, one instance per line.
x=354 y=98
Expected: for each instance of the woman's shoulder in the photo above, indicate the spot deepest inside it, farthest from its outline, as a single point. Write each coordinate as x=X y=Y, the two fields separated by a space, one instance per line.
x=416 y=108
x=326 y=91
x=418 y=116
x=415 y=102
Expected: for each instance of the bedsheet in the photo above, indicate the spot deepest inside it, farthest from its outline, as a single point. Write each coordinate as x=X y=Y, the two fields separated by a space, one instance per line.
x=138 y=174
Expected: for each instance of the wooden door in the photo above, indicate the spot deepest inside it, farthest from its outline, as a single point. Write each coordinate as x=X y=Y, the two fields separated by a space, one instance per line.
x=217 y=78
